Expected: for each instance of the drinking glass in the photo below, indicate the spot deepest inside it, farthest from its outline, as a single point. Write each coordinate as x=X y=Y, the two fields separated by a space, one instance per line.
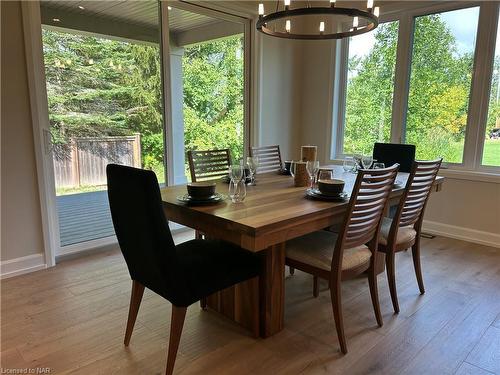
x=253 y=164
x=236 y=172
x=367 y=161
x=293 y=168
x=237 y=190
x=325 y=174
x=349 y=165
x=378 y=165
x=312 y=168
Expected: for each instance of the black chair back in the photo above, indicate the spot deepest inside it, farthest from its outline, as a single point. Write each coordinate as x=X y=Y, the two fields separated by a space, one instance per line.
x=392 y=153
x=142 y=228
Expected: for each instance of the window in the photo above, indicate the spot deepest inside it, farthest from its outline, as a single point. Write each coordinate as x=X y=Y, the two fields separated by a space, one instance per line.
x=370 y=88
x=491 y=151
x=440 y=82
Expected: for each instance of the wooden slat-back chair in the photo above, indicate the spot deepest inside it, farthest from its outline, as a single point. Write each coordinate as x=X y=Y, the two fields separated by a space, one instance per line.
x=403 y=231
x=354 y=250
x=209 y=164
x=269 y=158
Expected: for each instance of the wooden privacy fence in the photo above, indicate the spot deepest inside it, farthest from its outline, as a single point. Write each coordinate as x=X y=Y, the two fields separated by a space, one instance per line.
x=84 y=161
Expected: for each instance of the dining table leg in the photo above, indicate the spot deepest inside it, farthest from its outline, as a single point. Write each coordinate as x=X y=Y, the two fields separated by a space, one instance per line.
x=272 y=290
x=257 y=304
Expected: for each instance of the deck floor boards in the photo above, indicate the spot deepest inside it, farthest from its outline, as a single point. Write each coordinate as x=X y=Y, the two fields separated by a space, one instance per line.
x=84 y=217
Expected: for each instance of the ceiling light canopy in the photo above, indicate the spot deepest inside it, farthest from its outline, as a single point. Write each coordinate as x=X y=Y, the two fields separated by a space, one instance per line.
x=317 y=23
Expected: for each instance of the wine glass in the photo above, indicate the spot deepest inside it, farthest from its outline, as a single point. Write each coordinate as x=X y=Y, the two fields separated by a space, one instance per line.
x=253 y=164
x=312 y=168
x=349 y=164
x=237 y=188
x=357 y=160
x=367 y=161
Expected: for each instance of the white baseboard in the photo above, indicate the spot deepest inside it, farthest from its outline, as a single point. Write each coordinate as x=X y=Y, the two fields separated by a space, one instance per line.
x=19 y=266
x=85 y=246
x=461 y=233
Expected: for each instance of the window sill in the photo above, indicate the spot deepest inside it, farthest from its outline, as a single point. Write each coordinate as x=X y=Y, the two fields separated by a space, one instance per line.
x=457 y=174
x=468 y=175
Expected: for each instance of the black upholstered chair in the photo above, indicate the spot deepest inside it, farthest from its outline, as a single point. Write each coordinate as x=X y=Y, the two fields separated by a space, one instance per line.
x=182 y=274
x=392 y=153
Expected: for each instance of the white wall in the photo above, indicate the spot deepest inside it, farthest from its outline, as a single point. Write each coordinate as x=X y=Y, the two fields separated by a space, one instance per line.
x=279 y=82
x=21 y=224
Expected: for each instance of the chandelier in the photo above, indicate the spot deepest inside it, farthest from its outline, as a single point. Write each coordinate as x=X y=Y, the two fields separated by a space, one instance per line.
x=317 y=23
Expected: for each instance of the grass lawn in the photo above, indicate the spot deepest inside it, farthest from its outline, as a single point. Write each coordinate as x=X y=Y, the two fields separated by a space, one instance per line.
x=491 y=154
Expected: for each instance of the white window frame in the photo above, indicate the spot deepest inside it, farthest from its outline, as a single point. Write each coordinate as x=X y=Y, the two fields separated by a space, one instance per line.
x=478 y=96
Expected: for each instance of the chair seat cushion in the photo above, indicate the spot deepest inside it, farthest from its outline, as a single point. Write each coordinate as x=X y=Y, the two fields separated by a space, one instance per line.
x=316 y=249
x=207 y=266
x=405 y=234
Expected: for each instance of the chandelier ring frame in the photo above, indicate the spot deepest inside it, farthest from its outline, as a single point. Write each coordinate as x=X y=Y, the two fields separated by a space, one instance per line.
x=350 y=12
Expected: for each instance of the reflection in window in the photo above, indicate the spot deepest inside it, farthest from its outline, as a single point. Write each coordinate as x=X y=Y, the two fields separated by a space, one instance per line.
x=440 y=81
x=370 y=87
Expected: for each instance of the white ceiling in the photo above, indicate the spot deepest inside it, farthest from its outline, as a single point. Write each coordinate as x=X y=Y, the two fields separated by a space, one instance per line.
x=141 y=13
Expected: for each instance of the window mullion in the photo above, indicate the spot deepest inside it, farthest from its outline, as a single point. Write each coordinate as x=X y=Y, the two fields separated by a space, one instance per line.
x=481 y=84
x=402 y=78
x=341 y=67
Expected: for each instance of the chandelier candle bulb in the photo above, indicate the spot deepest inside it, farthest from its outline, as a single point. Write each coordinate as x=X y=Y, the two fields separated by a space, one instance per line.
x=261 y=9
x=355 y=22
x=370 y=4
x=332 y=3
x=376 y=11
x=288 y=26
x=321 y=27
x=287 y=4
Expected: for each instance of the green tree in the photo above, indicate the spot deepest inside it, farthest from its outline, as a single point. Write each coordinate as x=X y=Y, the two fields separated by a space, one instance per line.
x=100 y=87
x=213 y=95
x=438 y=93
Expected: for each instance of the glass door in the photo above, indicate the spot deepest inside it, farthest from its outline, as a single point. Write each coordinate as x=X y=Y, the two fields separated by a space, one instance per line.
x=207 y=71
x=104 y=88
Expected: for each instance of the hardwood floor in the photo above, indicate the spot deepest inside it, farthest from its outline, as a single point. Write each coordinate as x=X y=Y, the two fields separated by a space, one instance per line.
x=72 y=319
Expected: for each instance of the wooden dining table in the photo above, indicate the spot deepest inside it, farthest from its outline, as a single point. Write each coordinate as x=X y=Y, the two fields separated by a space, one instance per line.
x=273 y=212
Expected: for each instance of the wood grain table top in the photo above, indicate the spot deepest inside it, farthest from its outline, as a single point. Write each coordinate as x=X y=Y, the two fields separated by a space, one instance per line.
x=273 y=205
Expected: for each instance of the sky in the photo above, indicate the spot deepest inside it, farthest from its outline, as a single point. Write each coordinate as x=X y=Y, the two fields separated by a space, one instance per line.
x=462 y=23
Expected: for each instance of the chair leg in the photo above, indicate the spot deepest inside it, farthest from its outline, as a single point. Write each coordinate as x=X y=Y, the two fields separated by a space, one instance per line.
x=391 y=278
x=315 y=287
x=135 y=302
x=292 y=270
x=337 y=314
x=416 y=263
x=372 y=281
x=203 y=303
x=176 y=324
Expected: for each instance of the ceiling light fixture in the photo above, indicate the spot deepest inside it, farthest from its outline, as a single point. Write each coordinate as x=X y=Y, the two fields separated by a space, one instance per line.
x=334 y=22
x=81 y=7
x=56 y=20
